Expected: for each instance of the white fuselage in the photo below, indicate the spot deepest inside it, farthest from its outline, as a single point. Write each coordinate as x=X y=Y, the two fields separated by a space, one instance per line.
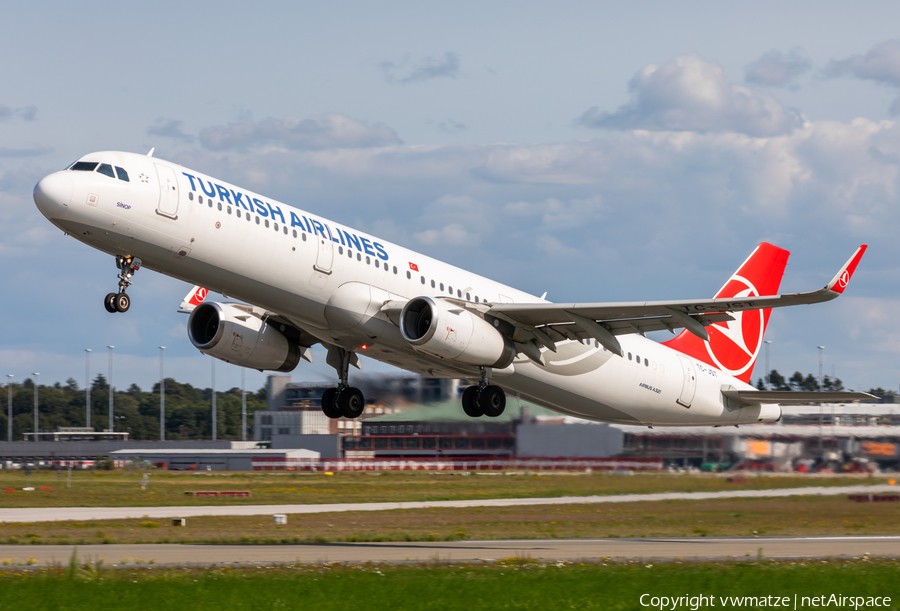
x=332 y=281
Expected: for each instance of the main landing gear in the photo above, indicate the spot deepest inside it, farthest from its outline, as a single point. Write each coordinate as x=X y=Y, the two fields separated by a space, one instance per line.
x=120 y=302
x=484 y=399
x=344 y=400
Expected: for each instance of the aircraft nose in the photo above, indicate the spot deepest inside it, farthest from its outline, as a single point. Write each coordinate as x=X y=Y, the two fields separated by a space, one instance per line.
x=52 y=193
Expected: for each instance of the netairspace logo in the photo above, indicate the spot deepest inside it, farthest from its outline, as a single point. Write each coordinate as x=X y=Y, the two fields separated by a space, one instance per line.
x=694 y=603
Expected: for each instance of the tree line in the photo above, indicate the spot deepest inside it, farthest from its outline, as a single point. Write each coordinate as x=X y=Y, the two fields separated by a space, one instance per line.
x=809 y=382
x=188 y=409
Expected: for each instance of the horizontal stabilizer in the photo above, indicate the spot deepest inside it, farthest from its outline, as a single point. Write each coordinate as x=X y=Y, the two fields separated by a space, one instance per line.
x=752 y=397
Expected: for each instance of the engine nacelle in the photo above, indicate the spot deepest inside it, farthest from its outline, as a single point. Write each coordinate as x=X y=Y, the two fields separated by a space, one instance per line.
x=235 y=336
x=441 y=329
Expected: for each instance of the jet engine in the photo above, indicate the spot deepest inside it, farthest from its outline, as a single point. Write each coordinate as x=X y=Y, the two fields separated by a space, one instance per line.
x=234 y=335
x=442 y=329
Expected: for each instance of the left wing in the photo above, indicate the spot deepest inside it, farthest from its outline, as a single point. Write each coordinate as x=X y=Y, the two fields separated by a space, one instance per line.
x=547 y=323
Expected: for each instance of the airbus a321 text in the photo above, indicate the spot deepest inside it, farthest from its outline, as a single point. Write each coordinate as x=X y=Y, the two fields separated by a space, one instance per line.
x=311 y=280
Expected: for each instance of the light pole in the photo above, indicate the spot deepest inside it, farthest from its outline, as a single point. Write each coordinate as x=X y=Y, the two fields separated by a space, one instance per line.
x=768 y=371
x=162 y=396
x=243 y=406
x=213 y=359
x=87 y=385
x=821 y=358
x=9 y=409
x=35 y=405
x=109 y=381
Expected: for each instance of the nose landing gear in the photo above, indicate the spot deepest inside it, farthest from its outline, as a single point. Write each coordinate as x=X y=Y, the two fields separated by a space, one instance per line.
x=120 y=302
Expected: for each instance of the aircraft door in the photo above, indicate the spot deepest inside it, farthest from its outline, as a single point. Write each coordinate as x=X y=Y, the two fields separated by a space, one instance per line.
x=168 y=191
x=324 y=256
x=690 y=381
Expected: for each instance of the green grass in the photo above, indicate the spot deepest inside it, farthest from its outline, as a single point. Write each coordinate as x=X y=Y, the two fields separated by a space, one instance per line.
x=509 y=584
x=796 y=515
x=122 y=489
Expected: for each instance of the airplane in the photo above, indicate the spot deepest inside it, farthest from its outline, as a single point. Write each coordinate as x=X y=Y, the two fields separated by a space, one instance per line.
x=300 y=279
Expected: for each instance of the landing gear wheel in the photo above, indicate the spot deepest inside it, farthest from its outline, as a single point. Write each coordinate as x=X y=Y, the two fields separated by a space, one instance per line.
x=109 y=302
x=492 y=400
x=351 y=403
x=328 y=403
x=122 y=302
x=470 y=402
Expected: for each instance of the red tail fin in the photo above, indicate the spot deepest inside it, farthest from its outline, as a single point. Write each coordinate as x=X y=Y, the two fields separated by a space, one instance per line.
x=733 y=346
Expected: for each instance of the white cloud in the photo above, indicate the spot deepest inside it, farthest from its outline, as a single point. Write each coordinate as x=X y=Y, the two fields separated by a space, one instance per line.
x=556 y=214
x=169 y=128
x=881 y=64
x=776 y=69
x=552 y=246
x=691 y=94
x=329 y=131
x=405 y=71
x=453 y=221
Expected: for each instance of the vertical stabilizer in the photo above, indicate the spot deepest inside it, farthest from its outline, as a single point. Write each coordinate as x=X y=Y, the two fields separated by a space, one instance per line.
x=734 y=345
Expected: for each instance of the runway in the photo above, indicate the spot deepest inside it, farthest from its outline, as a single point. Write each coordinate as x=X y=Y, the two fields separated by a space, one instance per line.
x=51 y=514
x=459 y=551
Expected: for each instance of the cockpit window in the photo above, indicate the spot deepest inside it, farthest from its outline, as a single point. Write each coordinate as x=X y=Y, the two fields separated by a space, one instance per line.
x=123 y=175
x=106 y=170
x=84 y=166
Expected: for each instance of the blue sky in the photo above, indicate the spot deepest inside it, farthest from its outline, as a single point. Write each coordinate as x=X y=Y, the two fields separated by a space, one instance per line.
x=597 y=151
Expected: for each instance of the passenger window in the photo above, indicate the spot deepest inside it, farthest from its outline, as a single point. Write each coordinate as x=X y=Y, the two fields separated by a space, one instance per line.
x=423 y=279
x=409 y=275
x=377 y=264
x=295 y=233
x=638 y=359
x=340 y=250
x=476 y=298
x=284 y=229
x=191 y=195
x=449 y=289
x=459 y=293
x=106 y=170
x=84 y=166
x=629 y=356
x=209 y=201
x=468 y=297
x=358 y=257
x=646 y=363
x=349 y=253
x=432 y=284
x=267 y=222
x=248 y=217
x=219 y=205
x=123 y=175
x=367 y=260
x=257 y=220
x=229 y=209
x=304 y=237
x=442 y=287
x=276 y=226
x=200 y=199
x=395 y=270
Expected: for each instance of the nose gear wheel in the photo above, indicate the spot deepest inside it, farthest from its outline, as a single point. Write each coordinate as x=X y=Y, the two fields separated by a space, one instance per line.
x=120 y=302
